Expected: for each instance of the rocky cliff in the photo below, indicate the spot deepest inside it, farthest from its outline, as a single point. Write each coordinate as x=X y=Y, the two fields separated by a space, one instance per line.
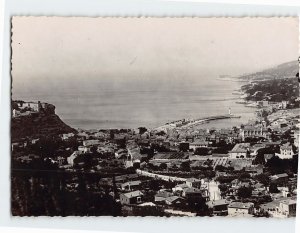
x=38 y=124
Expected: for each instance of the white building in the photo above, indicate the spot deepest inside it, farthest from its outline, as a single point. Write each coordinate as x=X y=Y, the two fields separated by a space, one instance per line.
x=84 y=149
x=240 y=209
x=286 y=152
x=240 y=151
x=72 y=157
x=287 y=208
x=199 y=144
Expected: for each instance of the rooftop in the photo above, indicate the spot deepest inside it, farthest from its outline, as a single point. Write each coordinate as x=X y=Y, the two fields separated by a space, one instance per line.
x=240 y=205
x=217 y=202
x=133 y=194
x=241 y=147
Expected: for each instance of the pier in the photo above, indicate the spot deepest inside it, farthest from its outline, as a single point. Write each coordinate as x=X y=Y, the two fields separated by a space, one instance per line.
x=186 y=123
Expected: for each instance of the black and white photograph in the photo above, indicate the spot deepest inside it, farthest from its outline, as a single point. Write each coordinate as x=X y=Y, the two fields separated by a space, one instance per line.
x=154 y=116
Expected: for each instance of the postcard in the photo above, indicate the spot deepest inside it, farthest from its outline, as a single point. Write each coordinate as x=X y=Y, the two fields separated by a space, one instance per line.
x=154 y=116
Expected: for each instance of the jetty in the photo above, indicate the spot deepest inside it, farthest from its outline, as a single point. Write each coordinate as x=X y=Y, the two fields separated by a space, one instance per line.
x=186 y=123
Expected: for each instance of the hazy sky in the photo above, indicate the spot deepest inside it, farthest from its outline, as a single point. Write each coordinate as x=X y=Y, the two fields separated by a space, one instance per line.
x=52 y=51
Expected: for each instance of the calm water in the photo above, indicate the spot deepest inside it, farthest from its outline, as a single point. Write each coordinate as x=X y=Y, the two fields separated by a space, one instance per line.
x=133 y=107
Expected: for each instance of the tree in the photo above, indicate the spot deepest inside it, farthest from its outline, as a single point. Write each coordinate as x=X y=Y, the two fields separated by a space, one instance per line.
x=244 y=192
x=201 y=151
x=263 y=178
x=220 y=168
x=223 y=188
x=142 y=130
x=163 y=166
x=161 y=133
x=273 y=188
x=259 y=159
x=244 y=176
x=184 y=146
x=185 y=166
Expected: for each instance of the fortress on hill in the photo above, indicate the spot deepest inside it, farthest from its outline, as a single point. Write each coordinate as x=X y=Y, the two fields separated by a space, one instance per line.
x=21 y=108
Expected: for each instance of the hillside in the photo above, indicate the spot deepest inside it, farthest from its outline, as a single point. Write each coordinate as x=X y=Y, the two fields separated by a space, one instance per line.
x=285 y=70
x=36 y=125
x=275 y=90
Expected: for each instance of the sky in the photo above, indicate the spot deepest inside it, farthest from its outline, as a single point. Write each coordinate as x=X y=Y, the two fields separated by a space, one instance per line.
x=72 y=52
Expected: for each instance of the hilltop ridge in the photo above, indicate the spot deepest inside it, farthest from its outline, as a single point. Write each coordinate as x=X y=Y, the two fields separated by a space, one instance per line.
x=285 y=70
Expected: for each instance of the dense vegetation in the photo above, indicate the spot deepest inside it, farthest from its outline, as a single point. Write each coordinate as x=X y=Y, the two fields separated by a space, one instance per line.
x=275 y=90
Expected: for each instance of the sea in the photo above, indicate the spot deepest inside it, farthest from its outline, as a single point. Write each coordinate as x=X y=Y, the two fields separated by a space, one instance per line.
x=133 y=107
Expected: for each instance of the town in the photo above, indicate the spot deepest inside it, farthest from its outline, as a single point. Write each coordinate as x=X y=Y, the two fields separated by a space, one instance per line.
x=175 y=170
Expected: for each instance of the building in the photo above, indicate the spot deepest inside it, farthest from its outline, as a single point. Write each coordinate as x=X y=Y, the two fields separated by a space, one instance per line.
x=131 y=198
x=84 y=149
x=218 y=207
x=240 y=151
x=72 y=157
x=296 y=136
x=287 y=208
x=254 y=170
x=92 y=142
x=161 y=196
x=198 y=144
x=174 y=201
x=240 y=209
x=253 y=132
x=286 y=152
x=66 y=136
x=121 y=154
x=131 y=185
x=193 y=183
x=280 y=178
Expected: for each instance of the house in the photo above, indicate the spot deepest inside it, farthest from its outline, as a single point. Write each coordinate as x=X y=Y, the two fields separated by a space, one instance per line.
x=131 y=198
x=27 y=158
x=280 y=178
x=240 y=209
x=198 y=144
x=174 y=201
x=193 y=183
x=296 y=135
x=161 y=196
x=270 y=208
x=135 y=155
x=287 y=208
x=131 y=185
x=179 y=188
x=286 y=152
x=254 y=169
x=121 y=154
x=66 y=136
x=34 y=141
x=84 y=149
x=218 y=207
x=194 y=193
x=89 y=143
x=240 y=150
x=72 y=157
x=82 y=135
x=60 y=160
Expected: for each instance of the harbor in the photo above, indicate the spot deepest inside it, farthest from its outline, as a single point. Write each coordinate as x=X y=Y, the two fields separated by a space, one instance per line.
x=186 y=123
